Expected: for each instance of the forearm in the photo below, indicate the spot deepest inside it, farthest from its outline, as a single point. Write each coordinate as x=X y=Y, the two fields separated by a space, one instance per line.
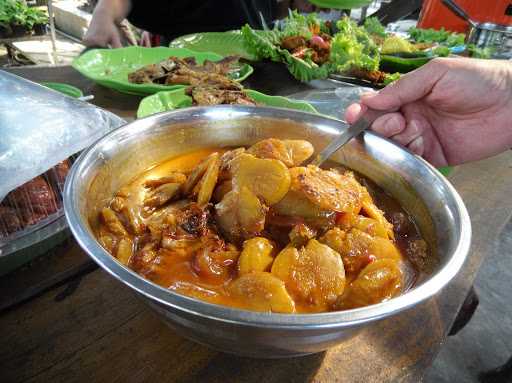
x=116 y=10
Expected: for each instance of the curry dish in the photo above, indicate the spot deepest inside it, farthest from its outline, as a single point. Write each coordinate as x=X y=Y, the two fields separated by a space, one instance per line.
x=251 y=228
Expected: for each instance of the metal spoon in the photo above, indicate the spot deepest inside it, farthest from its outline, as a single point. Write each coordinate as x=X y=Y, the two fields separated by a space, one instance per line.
x=363 y=123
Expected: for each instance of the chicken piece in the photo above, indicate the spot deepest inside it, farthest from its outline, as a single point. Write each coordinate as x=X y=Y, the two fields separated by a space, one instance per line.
x=372 y=211
x=293 y=42
x=268 y=179
x=290 y=152
x=226 y=161
x=358 y=249
x=113 y=223
x=195 y=176
x=313 y=275
x=379 y=281
x=215 y=266
x=204 y=95
x=117 y=204
x=124 y=250
x=301 y=234
x=295 y=204
x=174 y=177
x=241 y=215
x=147 y=74
x=162 y=194
x=209 y=180
x=257 y=255
x=328 y=190
x=261 y=291
x=221 y=190
x=133 y=212
x=371 y=226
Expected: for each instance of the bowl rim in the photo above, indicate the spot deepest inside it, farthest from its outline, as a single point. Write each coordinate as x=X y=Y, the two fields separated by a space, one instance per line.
x=228 y=315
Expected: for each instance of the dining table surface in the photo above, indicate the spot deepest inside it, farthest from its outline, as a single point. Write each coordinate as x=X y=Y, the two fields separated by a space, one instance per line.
x=64 y=319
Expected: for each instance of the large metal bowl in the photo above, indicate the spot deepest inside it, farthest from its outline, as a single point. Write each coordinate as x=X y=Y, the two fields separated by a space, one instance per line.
x=126 y=152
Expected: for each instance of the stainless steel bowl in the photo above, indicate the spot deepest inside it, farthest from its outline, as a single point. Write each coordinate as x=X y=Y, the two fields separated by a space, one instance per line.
x=125 y=152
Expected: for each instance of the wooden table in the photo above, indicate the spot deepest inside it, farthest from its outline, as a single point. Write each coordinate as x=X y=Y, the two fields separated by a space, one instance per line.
x=65 y=320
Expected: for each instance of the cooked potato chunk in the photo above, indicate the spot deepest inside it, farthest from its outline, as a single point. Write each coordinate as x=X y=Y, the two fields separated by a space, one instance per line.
x=290 y=152
x=358 y=249
x=267 y=179
x=300 y=150
x=124 y=250
x=112 y=222
x=256 y=255
x=194 y=177
x=328 y=190
x=295 y=204
x=313 y=275
x=261 y=291
x=162 y=194
x=208 y=182
x=241 y=215
x=377 y=282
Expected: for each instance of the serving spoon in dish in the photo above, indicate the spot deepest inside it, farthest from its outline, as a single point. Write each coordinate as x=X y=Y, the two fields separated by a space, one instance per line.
x=363 y=123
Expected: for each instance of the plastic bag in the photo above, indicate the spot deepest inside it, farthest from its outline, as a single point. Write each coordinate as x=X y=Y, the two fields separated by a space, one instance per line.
x=40 y=128
x=331 y=102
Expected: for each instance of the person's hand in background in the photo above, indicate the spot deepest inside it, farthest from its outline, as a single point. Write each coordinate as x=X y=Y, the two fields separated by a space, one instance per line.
x=449 y=111
x=104 y=28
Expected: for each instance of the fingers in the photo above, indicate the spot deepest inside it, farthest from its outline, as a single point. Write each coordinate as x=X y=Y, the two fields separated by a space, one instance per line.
x=409 y=88
x=353 y=112
x=389 y=125
x=115 y=41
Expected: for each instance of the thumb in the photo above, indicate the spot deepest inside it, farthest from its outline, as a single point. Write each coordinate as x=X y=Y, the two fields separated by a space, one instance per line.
x=410 y=87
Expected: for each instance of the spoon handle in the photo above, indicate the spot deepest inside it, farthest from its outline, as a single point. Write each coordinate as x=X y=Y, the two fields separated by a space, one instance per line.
x=363 y=123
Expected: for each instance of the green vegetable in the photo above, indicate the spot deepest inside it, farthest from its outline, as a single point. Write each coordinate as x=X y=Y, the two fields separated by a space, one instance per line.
x=352 y=47
x=436 y=36
x=374 y=27
x=396 y=44
x=391 y=77
x=441 y=51
x=479 y=53
x=15 y=12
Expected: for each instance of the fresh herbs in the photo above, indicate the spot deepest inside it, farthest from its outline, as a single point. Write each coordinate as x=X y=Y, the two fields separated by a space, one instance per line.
x=15 y=13
x=440 y=36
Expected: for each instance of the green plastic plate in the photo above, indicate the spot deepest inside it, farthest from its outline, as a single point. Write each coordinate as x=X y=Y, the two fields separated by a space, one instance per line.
x=164 y=101
x=110 y=67
x=222 y=43
x=63 y=88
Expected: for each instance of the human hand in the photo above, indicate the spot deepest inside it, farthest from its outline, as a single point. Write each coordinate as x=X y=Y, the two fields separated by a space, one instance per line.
x=449 y=111
x=145 y=39
x=104 y=30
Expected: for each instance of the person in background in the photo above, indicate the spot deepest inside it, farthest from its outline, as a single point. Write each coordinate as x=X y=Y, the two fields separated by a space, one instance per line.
x=162 y=20
x=449 y=111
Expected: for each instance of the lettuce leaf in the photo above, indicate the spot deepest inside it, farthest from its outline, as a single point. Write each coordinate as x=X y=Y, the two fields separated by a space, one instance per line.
x=440 y=36
x=352 y=47
x=374 y=27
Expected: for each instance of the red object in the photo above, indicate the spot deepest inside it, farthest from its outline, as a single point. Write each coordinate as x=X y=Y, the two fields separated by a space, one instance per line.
x=434 y=14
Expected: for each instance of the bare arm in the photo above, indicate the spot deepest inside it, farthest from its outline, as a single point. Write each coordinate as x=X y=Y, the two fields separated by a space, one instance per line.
x=103 y=30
